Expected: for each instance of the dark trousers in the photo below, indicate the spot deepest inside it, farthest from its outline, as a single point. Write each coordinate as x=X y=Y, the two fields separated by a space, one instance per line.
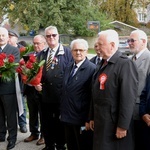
x=53 y=129
x=77 y=139
x=35 y=116
x=142 y=135
x=8 y=117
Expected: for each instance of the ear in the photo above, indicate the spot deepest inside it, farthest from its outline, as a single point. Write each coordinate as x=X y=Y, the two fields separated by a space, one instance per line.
x=144 y=41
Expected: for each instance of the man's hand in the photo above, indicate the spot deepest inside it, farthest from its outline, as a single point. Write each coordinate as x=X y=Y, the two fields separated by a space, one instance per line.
x=92 y=125
x=146 y=119
x=121 y=133
x=38 y=87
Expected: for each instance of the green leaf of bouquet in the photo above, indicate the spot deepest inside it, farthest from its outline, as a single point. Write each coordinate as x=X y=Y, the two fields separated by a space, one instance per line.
x=41 y=63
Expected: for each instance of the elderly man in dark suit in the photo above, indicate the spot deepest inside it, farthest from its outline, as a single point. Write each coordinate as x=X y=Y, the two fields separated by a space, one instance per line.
x=34 y=99
x=57 y=58
x=76 y=95
x=114 y=92
x=8 y=100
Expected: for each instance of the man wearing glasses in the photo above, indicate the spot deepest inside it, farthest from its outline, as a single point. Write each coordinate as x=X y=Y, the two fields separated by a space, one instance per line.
x=34 y=99
x=57 y=58
x=141 y=56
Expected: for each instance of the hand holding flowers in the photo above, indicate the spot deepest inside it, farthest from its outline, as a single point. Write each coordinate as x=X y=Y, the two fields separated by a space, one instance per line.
x=31 y=70
x=7 y=67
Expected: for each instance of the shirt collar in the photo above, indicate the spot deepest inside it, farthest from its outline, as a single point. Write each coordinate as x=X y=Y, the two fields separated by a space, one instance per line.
x=140 y=53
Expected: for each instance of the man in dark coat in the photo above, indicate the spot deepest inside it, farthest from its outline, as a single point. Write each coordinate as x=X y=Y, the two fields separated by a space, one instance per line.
x=144 y=112
x=8 y=99
x=57 y=58
x=76 y=95
x=115 y=86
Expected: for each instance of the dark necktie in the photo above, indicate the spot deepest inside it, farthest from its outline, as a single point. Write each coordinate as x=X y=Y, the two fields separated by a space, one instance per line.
x=134 y=58
x=104 y=63
x=73 y=71
x=49 y=61
x=98 y=61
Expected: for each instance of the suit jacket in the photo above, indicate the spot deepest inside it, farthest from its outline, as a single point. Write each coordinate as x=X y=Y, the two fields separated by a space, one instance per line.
x=76 y=94
x=52 y=79
x=145 y=99
x=114 y=94
x=9 y=87
x=93 y=59
x=143 y=66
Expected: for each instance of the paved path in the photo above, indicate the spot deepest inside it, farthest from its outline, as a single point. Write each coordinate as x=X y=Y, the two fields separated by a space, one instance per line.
x=21 y=145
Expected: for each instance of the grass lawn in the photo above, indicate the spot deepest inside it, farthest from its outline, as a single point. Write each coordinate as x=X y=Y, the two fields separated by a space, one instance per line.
x=91 y=51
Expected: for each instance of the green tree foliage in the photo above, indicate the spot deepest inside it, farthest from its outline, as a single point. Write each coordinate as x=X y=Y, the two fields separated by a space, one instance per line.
x=67 y=15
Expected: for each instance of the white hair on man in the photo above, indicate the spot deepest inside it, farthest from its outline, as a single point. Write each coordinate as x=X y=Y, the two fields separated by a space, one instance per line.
x=111 y=36
x=141 y=35
x=81 y=41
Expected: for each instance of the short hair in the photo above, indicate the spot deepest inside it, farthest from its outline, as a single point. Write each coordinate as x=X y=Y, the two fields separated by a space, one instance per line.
x=40 y=36
x=82 y=41
x=111 y=36
x=141 y=34
x=51 y=28
x=4 y=30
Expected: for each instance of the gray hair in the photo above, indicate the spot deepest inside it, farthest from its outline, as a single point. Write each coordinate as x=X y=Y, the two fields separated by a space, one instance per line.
x=51 y=28
x=41 y=37
x=81 y=41
x=111 y=36
x=141 y=34
x=4 y=30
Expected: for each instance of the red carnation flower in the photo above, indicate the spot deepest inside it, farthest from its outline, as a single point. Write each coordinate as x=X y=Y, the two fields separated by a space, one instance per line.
x=11 y=58
x=19 y=70
x=29 y=65
x=3 y=56
x=22 y=62
x=1 y=63
x=22 y=49
x=32 y=58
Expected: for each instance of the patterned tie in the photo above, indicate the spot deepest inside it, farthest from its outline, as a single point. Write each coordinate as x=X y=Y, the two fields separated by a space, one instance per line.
x=49 y=61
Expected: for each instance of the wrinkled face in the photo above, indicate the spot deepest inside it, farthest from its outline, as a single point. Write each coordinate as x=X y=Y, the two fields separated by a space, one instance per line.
x=104 y=47
x=79 y=52
x=3 y=37
x=38 y=44
x=135 y=44
x=12 y=40
x=52 y=38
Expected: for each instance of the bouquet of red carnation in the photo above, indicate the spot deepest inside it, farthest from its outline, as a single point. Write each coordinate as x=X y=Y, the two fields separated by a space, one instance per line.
x=26 y=50
x=7 y=67
x=31 y=70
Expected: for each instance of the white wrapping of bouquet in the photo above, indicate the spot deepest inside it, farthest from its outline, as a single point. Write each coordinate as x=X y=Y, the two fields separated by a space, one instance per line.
x=19 y=95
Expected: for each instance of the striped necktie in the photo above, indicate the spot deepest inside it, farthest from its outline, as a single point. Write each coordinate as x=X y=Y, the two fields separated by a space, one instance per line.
x=49 y=61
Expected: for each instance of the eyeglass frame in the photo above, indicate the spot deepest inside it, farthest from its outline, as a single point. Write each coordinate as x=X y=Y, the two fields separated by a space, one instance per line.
x=131 y=40
x=78 y=50
x=51 y=35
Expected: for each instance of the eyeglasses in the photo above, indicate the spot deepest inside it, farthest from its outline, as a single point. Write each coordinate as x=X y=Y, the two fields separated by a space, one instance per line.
x=37 y=43
x=51 y=35
x=131 y=40
x=78 y=50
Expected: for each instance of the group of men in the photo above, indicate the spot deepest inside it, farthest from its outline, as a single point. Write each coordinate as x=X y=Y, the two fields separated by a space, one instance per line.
x=103 y=94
